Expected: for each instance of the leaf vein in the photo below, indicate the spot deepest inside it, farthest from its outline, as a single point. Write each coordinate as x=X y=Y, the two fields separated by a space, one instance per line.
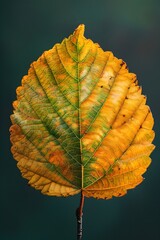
x=59 y=89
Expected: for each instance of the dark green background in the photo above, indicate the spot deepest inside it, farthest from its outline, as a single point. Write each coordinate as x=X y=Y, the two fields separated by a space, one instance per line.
x=131 y=29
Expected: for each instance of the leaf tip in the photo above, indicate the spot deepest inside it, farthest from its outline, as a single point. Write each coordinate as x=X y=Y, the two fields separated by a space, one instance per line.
x=80 y=30
x=78 y=36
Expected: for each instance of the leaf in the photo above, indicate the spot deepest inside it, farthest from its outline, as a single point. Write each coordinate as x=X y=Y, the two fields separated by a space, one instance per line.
x=81 y=122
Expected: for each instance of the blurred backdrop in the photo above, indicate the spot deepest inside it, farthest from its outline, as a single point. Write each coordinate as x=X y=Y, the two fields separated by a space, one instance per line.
x=131 y=29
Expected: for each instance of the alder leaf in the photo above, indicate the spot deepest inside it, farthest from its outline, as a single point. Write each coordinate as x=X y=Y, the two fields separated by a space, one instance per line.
x=81 y=123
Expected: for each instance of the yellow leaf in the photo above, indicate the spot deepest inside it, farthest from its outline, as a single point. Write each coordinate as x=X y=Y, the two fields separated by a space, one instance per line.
x=81 y=123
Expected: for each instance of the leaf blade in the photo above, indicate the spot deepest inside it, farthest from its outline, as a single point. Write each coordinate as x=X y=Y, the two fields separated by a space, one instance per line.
x=81 y=122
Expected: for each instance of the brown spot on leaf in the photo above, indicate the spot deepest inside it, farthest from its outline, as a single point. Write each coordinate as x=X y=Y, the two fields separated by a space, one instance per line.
x=56 y=157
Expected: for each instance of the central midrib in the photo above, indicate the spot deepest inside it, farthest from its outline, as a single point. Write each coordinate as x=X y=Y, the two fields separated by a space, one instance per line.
x=79 y=114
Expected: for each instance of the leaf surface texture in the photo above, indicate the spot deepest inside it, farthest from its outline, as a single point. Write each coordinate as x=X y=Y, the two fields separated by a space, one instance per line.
x=81 y=122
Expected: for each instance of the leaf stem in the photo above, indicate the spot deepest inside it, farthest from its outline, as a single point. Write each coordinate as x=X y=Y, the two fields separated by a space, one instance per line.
x=79 y=213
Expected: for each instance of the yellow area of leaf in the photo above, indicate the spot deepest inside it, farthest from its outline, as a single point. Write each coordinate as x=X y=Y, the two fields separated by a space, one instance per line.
x=81 y=122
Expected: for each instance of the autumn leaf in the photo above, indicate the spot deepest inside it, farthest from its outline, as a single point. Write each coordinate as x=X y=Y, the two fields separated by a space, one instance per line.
x=81 y=123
